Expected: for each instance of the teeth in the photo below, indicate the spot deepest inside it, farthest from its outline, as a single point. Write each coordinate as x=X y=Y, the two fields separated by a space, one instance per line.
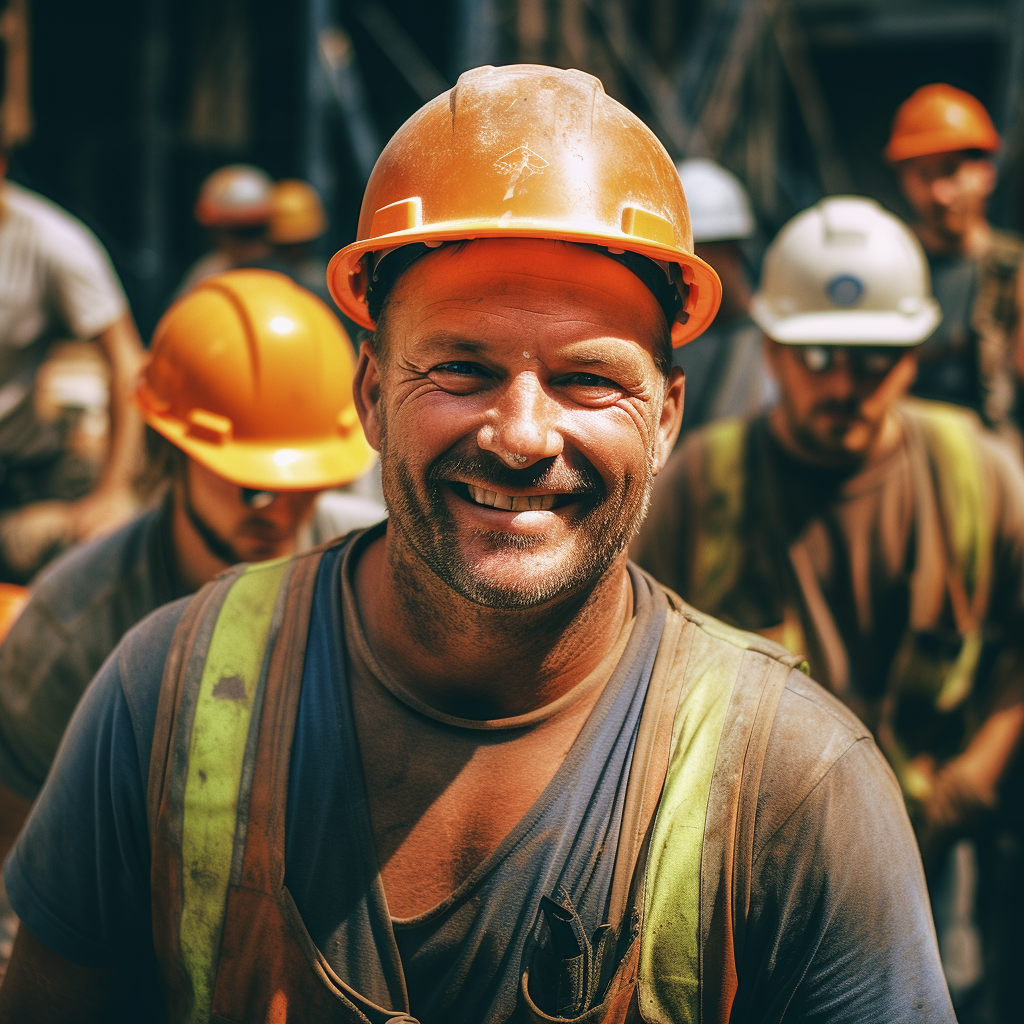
x=525 y=503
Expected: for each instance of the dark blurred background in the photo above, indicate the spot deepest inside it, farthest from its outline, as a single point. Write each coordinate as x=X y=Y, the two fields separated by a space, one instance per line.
x=131 y=103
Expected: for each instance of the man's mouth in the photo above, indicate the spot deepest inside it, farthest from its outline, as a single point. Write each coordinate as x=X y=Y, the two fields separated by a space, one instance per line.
x=511 y=502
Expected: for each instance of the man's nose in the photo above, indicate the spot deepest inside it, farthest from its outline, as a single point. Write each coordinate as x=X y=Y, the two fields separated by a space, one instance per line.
x=943 y=190
x=522 y=426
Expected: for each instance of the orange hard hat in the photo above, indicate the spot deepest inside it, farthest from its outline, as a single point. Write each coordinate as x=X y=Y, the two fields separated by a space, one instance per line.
x=296 y=213
x=527 y=151
x=236 y=196
x=12 y=599
x=251 y=376
x=940 y=119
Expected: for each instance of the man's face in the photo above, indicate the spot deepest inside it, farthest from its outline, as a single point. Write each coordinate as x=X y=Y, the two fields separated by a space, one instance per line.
x=254 y=525
x=948 y=191
x=521 y=416
x=835 y=399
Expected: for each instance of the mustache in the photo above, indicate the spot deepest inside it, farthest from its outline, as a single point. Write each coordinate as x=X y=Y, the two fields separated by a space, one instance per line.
x=489 y=471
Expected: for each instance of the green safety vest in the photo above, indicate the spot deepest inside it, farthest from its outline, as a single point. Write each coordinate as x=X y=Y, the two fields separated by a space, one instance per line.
x=228 y=936
x=950 y=480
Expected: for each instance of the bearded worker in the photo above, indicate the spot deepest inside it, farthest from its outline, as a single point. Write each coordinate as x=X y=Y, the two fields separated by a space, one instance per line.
x=882 y=536
x=414 y=776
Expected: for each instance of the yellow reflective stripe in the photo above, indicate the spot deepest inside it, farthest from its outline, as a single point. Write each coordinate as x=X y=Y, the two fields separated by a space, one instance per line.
x=669 y=969
x=220 y=729
x=719 y=549
x=962 y=490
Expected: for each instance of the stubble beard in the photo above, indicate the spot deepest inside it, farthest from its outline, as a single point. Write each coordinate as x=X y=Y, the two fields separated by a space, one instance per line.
x=427 y=527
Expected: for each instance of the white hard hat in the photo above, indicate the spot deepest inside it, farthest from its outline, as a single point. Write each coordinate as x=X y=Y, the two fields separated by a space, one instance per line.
x=846 y=272
x=719 y=207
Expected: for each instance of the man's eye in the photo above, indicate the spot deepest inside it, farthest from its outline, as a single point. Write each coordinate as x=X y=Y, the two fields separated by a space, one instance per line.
x=590 y=380
x=460 y=368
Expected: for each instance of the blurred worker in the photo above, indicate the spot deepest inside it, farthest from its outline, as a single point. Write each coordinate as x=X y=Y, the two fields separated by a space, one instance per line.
x=942 y=147
x=725 y=369
x=234 y=206
x=249 y=392
x=56 y=281
x=884 y=538
x=412 y=777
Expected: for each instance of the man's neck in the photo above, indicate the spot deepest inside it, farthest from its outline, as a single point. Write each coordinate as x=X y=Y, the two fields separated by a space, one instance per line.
x=195 y=563
x=475 y=662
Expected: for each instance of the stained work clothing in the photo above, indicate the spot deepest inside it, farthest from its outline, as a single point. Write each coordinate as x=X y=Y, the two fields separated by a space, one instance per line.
x=81 y=606
x=902 y=581
x=833 y=873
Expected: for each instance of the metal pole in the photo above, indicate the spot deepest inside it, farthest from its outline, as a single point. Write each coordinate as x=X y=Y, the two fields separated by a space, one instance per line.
x=317 y=167
x=150 y=261
x=477 y=39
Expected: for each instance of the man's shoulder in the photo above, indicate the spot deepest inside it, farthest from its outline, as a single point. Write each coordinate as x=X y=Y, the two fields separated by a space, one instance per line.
x=90 y=575
x=811 y=730
x=52 y=225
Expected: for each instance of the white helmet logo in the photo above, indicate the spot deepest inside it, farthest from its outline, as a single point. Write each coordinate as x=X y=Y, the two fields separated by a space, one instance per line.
x=845 y=289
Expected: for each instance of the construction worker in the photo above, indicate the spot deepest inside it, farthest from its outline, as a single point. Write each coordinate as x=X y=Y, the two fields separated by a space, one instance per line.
x=884 y=538
x=942 y=147
x=234 y=207
x=56 y=281
x=725 y=371
x=248 y=394
x=413 y=776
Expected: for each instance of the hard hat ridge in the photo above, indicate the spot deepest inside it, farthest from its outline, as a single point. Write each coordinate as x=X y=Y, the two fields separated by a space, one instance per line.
x=527 y=151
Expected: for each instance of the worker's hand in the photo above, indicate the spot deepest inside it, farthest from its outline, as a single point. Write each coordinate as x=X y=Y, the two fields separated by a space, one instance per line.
x=103 y=511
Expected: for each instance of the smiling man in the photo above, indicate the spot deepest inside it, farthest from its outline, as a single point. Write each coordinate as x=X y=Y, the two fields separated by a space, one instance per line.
x=883 y=537
x=472 y=765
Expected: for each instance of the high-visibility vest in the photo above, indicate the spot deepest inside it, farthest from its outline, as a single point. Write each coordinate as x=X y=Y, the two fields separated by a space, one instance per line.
x=228 y=936
x=949 y=478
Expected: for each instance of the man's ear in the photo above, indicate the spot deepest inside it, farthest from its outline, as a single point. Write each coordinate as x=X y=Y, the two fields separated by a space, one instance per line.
x=671 y=417
x=989 y=175
x=366 y=392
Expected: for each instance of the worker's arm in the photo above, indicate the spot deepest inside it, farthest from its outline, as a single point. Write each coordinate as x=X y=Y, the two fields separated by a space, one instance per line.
x=113 y=499
x=41 y=987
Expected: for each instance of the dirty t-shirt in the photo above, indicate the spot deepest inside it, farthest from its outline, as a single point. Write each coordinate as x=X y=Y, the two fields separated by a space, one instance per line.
x=836 y=880
x=80 y=607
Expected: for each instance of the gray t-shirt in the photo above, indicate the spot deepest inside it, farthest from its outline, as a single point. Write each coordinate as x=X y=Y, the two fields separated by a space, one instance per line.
x=81 y=606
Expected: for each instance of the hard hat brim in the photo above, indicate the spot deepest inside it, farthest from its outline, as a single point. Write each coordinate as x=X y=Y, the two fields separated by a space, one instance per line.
x=928 y=143
x=306 y=466
x=847 y=327
x=705 y=286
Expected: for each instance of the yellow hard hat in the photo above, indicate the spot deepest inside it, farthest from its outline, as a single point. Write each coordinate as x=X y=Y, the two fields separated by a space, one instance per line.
x=528 y=151
x=296 y=213
x=12 y=599
x=236 y=196
x=251 y=376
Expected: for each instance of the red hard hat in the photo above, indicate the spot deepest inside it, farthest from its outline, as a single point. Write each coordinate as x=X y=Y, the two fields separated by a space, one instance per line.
x=940 y=119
